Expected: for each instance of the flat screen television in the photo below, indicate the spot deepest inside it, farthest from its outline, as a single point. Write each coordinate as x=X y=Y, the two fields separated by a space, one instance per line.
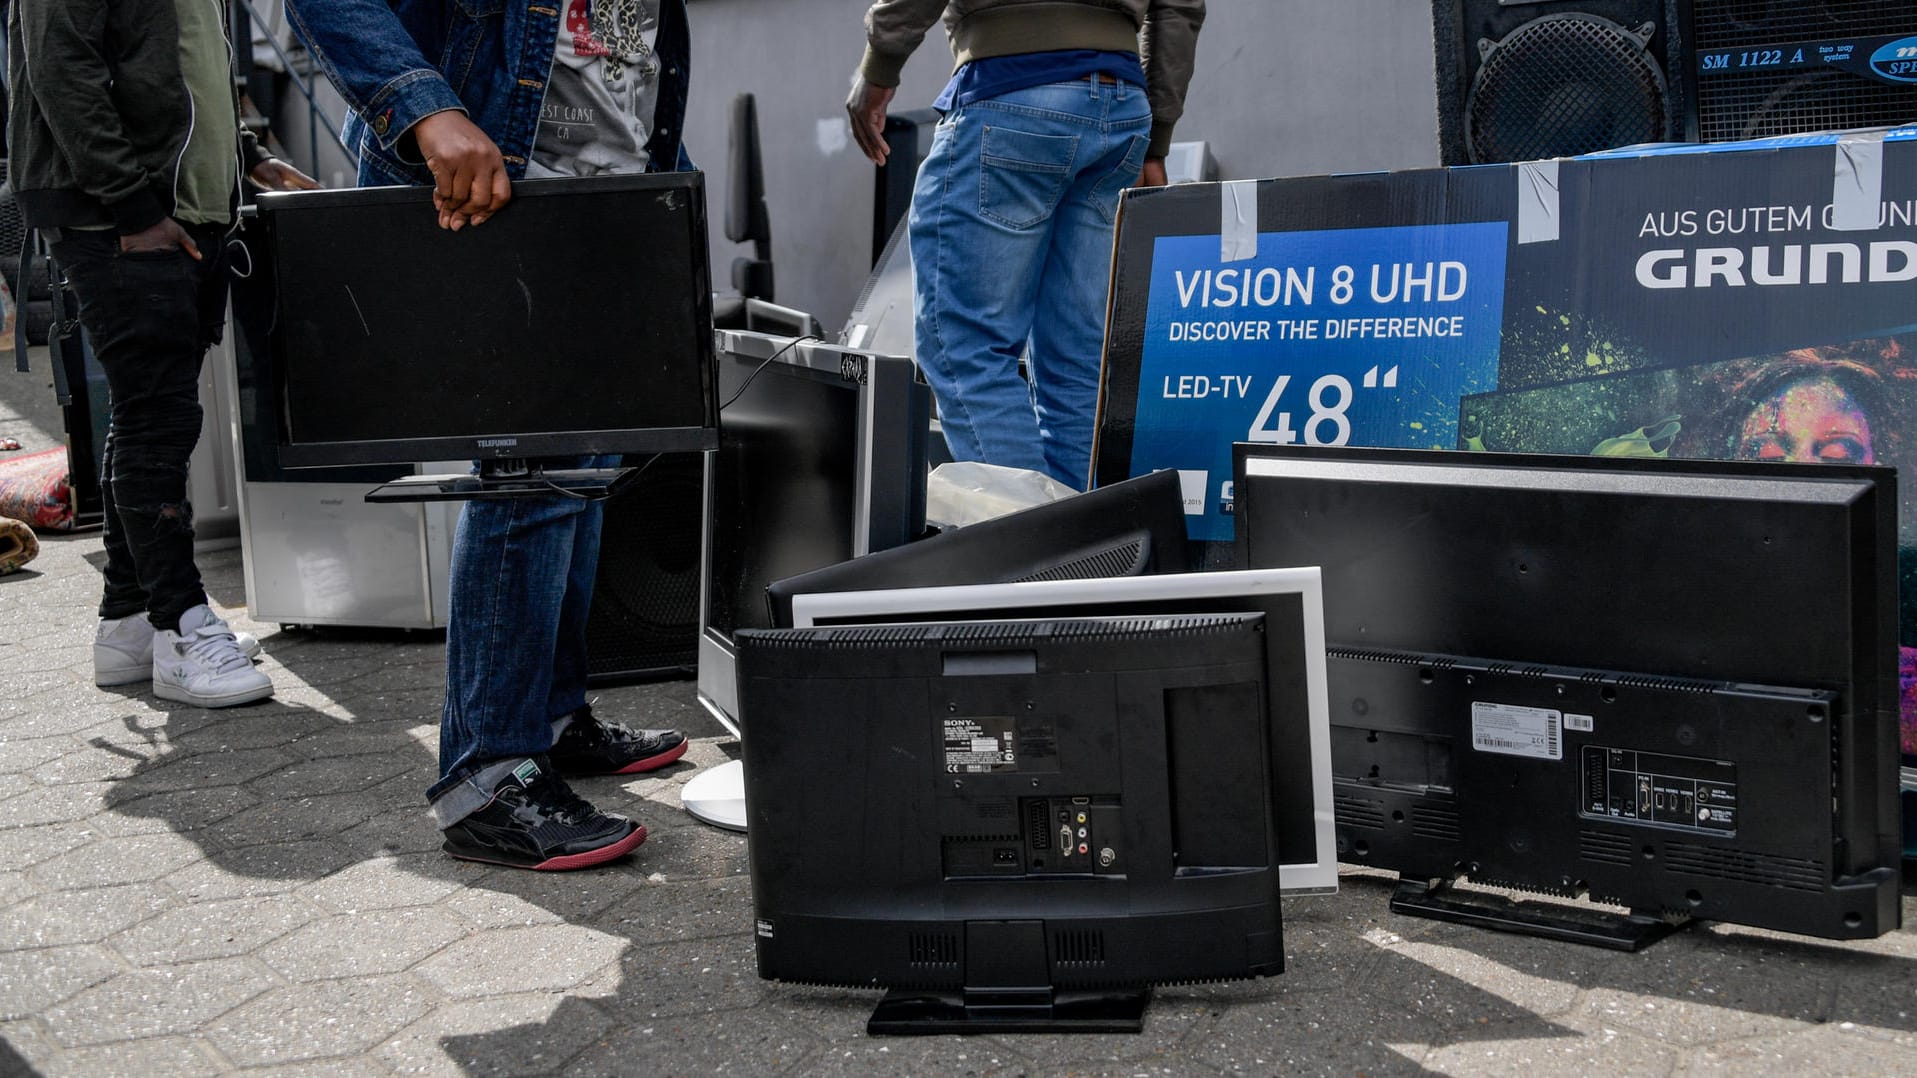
x=1018 y=825
x=576 y=321
x=821 y=458
x=1293 y=607
x=1131 y=527
x=1667 y=685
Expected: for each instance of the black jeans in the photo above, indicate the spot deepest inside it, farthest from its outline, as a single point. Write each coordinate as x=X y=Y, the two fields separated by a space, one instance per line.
x=150 y=318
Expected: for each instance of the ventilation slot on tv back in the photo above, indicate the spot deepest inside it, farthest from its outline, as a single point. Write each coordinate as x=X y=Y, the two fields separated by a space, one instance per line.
x=1608 y=849
x=933 y=949
x=1435 y=823
x=1079 y=948
x=1766 y=869
x=1359 y=812
x=1127 y=558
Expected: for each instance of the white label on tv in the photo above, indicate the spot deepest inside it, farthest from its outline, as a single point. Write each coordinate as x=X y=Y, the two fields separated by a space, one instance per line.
x=1517 y=731
x=1584 y=723
x=1193 y=484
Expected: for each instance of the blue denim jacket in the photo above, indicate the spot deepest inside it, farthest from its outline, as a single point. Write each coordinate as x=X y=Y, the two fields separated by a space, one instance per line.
x=399 y=61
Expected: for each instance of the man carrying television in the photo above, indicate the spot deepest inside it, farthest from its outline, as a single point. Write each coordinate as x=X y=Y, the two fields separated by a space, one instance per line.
x=468 y=98
x=1056 y=106
x=126 y=155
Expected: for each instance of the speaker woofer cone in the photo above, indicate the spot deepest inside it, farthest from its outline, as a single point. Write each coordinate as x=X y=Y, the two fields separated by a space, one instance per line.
x=1566 y=84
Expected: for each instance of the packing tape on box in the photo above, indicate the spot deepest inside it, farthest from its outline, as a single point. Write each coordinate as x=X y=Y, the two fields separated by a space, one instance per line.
x=1538 y=202
x=1238 y=220
x=1857 y=196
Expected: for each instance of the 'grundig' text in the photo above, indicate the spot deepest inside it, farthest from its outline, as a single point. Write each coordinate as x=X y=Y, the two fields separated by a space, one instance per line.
x=1791 y=264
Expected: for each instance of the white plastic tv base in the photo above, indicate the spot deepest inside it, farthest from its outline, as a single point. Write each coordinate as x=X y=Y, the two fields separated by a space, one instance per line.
x=717 y=794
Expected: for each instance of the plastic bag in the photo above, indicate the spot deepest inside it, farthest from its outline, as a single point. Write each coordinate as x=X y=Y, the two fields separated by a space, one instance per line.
x=967 y=492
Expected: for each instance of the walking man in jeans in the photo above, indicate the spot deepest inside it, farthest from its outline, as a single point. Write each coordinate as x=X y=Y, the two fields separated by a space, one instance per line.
x=468 y=98
x=126 y=152
x=1056 y=106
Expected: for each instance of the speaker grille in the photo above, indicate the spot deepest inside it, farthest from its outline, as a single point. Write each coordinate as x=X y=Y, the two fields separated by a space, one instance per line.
x=1563 y=85
x=1358 y=812
x=1122 y=559
x=1079 y=947
x=645 y=606
x=1769 y=870
x=933 y=949
x=1764 y=104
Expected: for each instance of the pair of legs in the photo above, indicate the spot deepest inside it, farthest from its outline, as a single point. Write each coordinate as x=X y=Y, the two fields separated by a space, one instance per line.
x=150 y=318
x=516 y=715
x=1011 y=233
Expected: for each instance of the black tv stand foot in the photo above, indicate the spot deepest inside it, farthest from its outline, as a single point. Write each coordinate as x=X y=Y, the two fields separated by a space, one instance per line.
x=1595 y=928
x=913 y=1013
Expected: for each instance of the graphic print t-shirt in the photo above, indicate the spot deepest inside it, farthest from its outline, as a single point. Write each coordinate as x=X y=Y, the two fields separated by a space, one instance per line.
x=590 y=124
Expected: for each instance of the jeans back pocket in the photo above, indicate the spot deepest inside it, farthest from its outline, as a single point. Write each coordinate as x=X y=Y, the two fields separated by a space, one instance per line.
x=1022 y=174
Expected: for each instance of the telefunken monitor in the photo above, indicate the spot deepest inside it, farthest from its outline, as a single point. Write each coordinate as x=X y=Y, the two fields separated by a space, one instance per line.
x=1012 y=826
x=821 y=458
x=1668 y=685
x=1295 y=665
x=576 y=321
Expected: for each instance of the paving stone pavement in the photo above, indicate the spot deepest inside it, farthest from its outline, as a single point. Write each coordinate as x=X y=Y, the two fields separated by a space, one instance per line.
x=259 y=889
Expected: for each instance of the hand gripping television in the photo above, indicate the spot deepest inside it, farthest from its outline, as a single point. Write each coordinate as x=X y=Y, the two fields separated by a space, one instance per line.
x=1014 y=826
x=1668 y=685
x=577 y=321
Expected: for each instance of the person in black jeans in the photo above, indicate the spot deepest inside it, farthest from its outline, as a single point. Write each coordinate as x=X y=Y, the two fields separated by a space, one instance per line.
x=126 y=153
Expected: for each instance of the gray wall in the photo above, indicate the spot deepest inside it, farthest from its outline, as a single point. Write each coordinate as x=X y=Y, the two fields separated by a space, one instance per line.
x=1283 y=88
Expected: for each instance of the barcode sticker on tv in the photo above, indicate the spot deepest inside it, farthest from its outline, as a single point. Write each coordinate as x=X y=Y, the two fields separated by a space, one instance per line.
x=1517 y=731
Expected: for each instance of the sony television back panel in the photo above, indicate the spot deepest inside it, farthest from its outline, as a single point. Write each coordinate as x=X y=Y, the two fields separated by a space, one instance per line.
x=1499 y=626
x=1293 y=607
x=821 y=458
x=1055 y=805
x=575 y=321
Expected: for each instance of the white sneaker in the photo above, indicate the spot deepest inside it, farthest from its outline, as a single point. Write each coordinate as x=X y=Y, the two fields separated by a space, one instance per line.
x=123 y=649
x=203 y=664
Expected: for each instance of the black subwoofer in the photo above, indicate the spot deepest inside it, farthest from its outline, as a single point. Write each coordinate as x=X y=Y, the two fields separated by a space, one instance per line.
x=1557 y=78
x=1780 y=67
x=644 y=622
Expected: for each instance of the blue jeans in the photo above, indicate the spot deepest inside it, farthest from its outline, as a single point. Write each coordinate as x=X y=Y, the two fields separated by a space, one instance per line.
x=520 y=590
x=1011 y=232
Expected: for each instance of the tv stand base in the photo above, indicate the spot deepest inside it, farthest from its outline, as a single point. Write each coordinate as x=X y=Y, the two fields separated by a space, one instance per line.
x=913 y=1013
x=1595 y=928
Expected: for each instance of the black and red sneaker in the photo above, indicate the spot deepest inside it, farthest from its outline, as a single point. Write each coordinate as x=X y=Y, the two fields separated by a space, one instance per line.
x=591 y=746
x=535 y=821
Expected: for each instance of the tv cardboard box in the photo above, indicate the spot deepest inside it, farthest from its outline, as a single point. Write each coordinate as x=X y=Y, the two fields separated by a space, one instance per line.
x=1737 y=300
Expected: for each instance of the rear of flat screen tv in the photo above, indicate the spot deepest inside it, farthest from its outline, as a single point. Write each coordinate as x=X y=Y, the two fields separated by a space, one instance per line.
x=1293 y=607
x=1132 y=528
x=576 y=321
x=821 y=458
x=1014 y=826
x=1668 y=685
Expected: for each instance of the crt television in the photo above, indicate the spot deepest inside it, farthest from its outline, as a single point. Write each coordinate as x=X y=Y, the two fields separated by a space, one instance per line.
x=576 y=321
x=1293 y=607
x=1669 y=685
x=1018 y=825
x=821 y=458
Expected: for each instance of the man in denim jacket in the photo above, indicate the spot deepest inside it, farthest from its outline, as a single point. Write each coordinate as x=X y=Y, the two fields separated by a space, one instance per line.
x=1056 y=106
x=468 y=96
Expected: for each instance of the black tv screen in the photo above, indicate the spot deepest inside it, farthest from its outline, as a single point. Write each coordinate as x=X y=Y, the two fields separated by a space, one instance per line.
x=1048 y=806
x=1541 y=669
x=576 y=321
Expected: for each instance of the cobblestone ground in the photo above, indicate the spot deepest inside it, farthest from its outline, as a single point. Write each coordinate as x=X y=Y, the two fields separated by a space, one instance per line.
x=185 y=892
